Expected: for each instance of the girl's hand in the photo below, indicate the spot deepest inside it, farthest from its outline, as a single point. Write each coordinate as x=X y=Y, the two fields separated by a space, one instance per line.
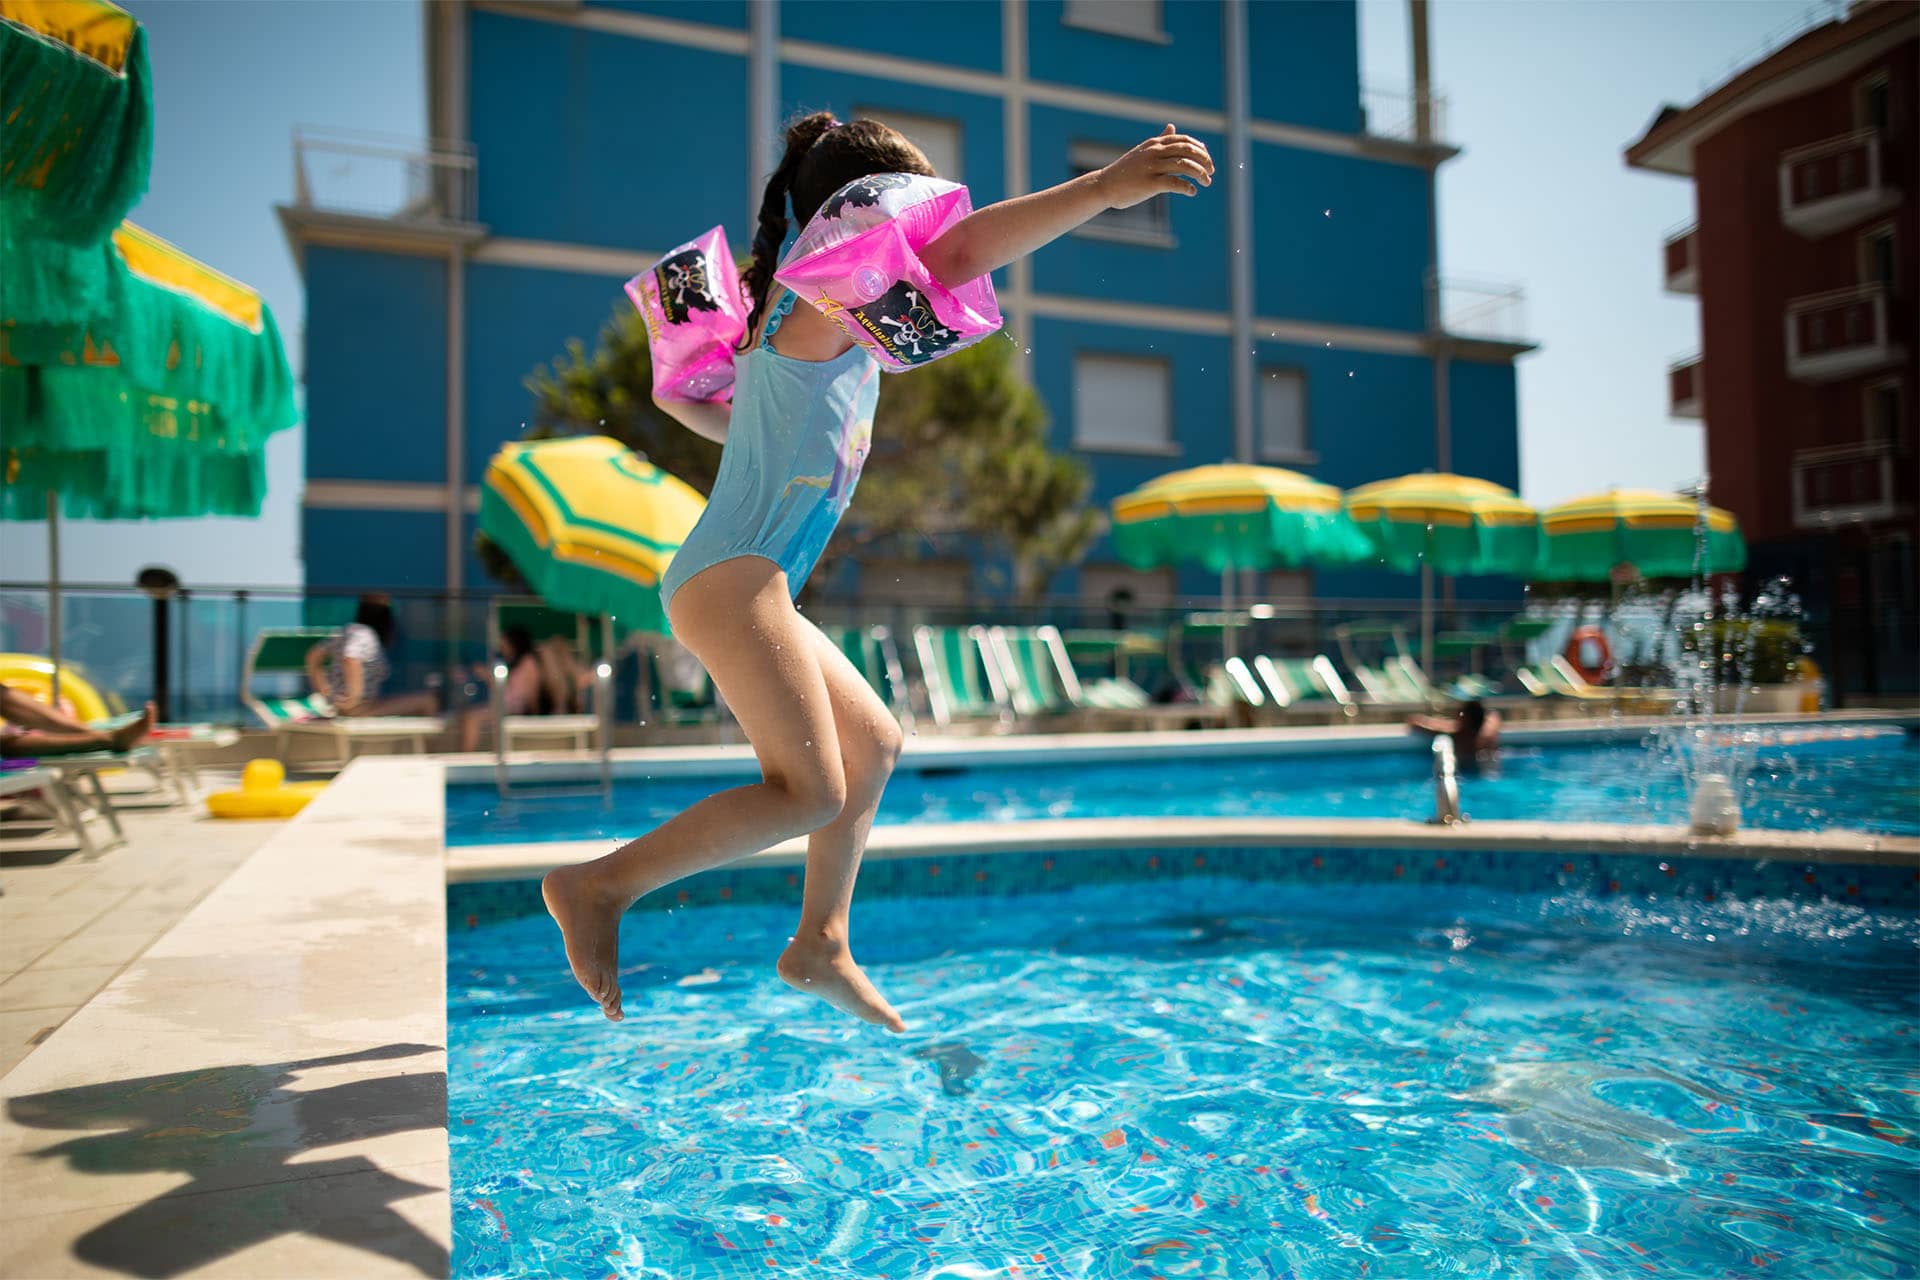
x=1169 y=162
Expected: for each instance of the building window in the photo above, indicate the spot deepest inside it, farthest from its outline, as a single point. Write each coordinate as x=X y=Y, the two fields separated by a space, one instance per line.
x=1870 y=107
x=1145 y=223
x=1134 y=19
x=1883 y=412
x=939 y=138
x=1123 y=404
x=1876 y=256
x=1283 y=417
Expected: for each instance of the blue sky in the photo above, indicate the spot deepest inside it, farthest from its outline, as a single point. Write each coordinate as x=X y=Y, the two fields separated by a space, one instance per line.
x=1543 y=95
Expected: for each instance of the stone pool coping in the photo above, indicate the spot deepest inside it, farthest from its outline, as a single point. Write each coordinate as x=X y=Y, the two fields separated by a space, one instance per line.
x=263 y=1092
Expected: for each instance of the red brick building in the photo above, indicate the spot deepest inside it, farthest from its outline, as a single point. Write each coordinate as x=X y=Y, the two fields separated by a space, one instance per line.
x=1804 y=257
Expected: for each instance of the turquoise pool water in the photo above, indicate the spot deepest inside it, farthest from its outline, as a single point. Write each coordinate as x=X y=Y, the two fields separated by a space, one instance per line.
x=1203 y=1077
x=1870 y=784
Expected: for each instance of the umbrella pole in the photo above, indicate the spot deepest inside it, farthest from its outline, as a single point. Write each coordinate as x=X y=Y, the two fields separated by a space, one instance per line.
x=1226 y=615
x=1426 y=616
x=53 y=591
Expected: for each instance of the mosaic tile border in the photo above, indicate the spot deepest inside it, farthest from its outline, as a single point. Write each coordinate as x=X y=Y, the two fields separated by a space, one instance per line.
x=1001 y=874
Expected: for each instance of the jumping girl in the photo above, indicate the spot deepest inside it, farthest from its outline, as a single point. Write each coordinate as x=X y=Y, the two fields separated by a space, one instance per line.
x=803 y=406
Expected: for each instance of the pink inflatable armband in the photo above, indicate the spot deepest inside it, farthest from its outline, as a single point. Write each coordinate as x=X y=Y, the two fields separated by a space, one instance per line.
x=691 y=303
x=858 y=261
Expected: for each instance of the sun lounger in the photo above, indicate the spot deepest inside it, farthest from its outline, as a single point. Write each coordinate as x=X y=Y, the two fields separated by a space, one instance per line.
x=283 y=651
x=1305 y=688
x=964 y=681
x=874 y=655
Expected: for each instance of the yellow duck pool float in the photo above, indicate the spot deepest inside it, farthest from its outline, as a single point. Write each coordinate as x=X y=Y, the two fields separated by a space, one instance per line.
x=264 y=793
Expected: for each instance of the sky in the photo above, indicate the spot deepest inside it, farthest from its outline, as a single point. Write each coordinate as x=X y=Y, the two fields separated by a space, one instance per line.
x=1543 y=95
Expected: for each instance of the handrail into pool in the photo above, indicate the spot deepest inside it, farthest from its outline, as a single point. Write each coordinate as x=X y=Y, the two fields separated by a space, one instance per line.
x=1446 y=784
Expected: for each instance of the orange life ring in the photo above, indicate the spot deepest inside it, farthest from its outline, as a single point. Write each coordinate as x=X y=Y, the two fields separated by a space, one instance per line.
x=1589 y=653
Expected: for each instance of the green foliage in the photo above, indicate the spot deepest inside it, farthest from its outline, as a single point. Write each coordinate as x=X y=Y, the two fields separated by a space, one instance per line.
x=1756 y=651
x=959 y=450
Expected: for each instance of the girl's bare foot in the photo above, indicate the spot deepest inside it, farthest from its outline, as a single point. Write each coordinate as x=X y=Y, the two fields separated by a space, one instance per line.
x=824 y=967
x=589 y=922
x=129 y=734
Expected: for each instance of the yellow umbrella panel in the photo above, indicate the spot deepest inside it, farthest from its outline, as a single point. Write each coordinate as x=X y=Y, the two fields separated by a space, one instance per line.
x=588 y=524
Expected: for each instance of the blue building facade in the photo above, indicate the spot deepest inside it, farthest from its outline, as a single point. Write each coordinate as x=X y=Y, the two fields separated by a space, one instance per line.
x=1296 y=328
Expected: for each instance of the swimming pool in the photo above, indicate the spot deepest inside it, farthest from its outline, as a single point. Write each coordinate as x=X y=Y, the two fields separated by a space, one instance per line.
x=1222 y=1077
x=1869 y=784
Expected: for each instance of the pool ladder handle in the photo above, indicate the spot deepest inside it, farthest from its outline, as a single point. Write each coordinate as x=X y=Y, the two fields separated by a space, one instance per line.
x=1446 y=785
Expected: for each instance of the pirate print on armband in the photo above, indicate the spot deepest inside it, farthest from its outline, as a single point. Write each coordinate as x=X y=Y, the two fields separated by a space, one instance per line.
x=905 y=325
x=684 y=286
x=864 y=193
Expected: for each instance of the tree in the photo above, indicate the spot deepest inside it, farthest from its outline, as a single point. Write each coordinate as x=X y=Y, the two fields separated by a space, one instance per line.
x=959 y=449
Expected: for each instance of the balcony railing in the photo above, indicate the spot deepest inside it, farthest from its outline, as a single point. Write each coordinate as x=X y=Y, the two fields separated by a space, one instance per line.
x=1491 y=311
x=1395 y=113
x=1832 y=184
x=369 y=175
x=1840 y=333
x=1682 y=264
x=1686 y=388
x=1843 y=484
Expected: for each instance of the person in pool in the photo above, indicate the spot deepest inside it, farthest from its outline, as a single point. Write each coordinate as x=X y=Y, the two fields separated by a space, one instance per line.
x=802 y=408
x=1474 y=729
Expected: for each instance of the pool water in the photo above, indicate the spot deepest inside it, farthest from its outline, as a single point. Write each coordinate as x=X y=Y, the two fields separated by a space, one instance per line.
x=1217 y=1078
x=1871 y=784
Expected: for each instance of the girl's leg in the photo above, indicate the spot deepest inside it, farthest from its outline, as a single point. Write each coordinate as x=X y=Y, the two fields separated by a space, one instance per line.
x=820 y=960
x=739 y=620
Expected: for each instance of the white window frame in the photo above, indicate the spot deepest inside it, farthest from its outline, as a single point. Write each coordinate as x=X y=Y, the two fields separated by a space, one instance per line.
x=1864 y=246
x=1305 y=455
x=1863 y=93
x=1113 y=224
x=1085 y=15
x=905 y=122
x=1898 y=439
x=1170 y=448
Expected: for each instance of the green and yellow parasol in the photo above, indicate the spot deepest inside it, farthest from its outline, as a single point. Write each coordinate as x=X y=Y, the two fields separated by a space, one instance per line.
x=1234 y=516
x=1450 y=524
x=588 y=524
x=1662 y=535
x=1438 y=522
x=163 y=408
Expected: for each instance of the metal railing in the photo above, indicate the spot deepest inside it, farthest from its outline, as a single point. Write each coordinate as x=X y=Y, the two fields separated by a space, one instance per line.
x=1446 y=784
x=373 y=175
x=1493 y=311
x=1392 y=112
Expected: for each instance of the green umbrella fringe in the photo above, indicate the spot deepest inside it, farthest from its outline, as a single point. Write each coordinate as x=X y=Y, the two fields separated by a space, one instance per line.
x=87 y=130
x=242 y=375
x=154 y=482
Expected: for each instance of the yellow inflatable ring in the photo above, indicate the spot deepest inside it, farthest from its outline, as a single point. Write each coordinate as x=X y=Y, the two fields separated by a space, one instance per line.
x=264 y=793
x=33 y=676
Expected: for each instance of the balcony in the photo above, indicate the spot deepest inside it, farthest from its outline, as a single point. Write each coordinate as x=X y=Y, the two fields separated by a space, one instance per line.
x=1682 y=267
x=1840 y=334
x=398 y=188
x=1479 y=310
x=1833 y=184
x=1687 y=388
x=1843 y=484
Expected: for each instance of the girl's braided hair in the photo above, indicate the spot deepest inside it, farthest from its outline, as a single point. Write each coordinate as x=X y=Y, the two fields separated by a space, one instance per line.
x=822 y=156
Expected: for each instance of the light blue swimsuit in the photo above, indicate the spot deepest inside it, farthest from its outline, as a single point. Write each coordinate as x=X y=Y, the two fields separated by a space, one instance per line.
x=794 y=449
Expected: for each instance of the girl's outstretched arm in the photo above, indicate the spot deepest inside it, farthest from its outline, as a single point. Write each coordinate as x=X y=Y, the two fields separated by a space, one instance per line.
x=998 y=234
x=708 y=420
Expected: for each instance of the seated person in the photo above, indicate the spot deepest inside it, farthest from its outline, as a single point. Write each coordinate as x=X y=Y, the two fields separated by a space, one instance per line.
x=563 y=681
x=1474 y=729
x=526 y=691
x=34 y=729
x=349 y=668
